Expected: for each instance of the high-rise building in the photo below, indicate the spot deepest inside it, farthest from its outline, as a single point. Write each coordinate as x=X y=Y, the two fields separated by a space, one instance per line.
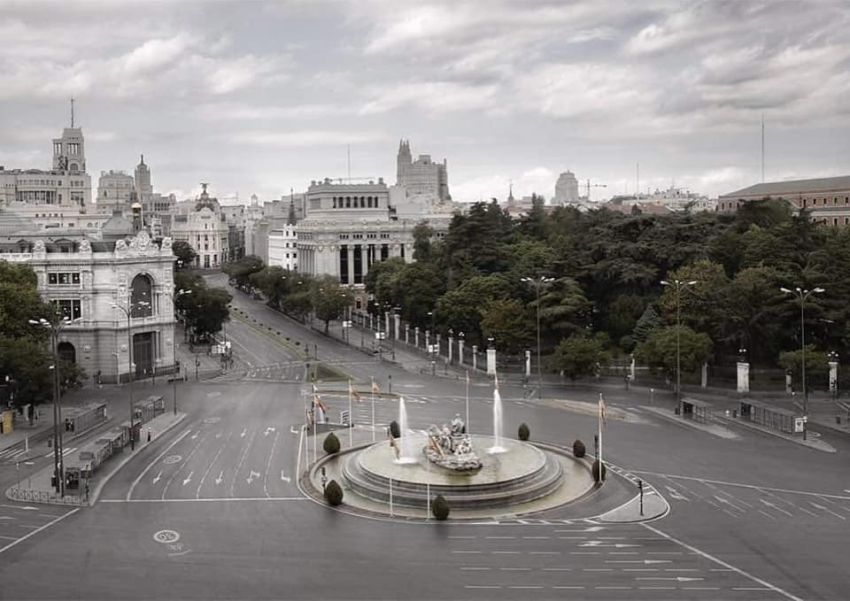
x=422 y=176
x=566 y=189
x=114 y=191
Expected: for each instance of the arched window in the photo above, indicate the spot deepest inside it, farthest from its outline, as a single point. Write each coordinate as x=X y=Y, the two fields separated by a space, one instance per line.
x=66 y=352
x=141 y=297
x=347 y=202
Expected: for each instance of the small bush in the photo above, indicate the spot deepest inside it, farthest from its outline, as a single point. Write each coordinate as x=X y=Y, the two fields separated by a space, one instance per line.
x=523 y=433
x=331 y=444
x=333 y=493
x=395 y=429
x=440 y=508
x=578 y=449
x=596 y=471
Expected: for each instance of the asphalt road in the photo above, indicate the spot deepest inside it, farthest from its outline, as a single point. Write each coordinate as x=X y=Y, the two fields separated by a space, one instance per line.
x=211 y=511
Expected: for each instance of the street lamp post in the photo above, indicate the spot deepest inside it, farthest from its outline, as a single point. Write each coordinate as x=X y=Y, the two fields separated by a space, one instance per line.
x=58 y=456
x=678 y=286
x=128 y=311
x=174 y=297
x=833 y=359
x=538 y=283
x=803 y=295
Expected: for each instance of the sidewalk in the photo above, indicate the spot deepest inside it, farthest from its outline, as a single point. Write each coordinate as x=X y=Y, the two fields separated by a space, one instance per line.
x=38 y=487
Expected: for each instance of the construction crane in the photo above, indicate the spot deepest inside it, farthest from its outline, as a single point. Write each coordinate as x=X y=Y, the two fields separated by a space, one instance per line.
x=588 y=186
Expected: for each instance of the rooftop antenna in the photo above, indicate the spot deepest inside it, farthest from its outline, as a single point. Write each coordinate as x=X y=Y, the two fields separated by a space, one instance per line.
x=72 y=113
x=762 y=148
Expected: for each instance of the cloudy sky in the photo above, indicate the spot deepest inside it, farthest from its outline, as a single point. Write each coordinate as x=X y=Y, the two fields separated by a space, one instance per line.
x=261 y=97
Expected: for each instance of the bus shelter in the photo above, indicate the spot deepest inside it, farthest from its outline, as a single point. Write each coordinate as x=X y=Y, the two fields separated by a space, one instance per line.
x=770 y=416
x=695 y=409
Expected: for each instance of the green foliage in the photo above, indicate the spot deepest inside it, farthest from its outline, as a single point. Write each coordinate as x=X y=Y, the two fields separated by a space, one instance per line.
x=423 y=249
x=461 y=308
x=241 y=270
x=204 y=309
x=523 y=433
x=578 y=356
x=597 y=477
x=395 y=429
x=817 y=362
x=333 y=493
x=185 y=254
x=440 y=508
x=329 y=299
x=509 y=322
x=331 y=444
x=649 y=320
x=659 y=350
x=579 y=450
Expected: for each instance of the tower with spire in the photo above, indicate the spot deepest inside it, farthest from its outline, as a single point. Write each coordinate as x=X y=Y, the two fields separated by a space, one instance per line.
x=144 y=189
x=69 y=151
x=403 y=161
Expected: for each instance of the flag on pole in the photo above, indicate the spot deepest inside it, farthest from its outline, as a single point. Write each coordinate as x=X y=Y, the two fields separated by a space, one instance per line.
x=353 y=392
x=317 y=401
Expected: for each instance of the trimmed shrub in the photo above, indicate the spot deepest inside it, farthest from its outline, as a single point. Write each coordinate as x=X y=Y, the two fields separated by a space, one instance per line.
x=331 y=444
x=440 y=508
x=578 y=449
x=596 y=471
x=333 y=493
x=395 y=429
x=523 y=432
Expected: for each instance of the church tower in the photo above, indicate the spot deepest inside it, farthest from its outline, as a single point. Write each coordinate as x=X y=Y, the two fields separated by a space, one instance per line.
x=403 y=161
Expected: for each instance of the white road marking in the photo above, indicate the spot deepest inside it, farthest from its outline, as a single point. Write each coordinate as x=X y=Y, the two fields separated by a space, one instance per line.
x=220 y=478
x=185 y=463
x=777 y=508
x=158 y=477
x=210 y=466
x=643 y=561
x=816 y=506
x=475 y=568
x=269 y=462
x=188 y=478
x=37 y=530
x=767 y=514
x=722 y=563
x=241 y=461
x=151 y=464
x=253 y=476
x=824 y=496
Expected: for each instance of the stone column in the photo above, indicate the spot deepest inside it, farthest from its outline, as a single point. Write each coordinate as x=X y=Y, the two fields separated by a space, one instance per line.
x=527 y=364
x=397 y=326
x=491 y=361
x=387 y=323
x=407 y=333
x=370 y=321
x=350 y=252
x=833 y=376
x=704 y=382
x=428 y=341
x=364 y=269
x=632 y=369
x=460 y=351
x=743 y=376
x=416 y=336
x=474 y=356
x=451 y=343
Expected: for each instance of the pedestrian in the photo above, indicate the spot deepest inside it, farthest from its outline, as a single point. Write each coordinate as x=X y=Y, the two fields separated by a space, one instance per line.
x=149 y=434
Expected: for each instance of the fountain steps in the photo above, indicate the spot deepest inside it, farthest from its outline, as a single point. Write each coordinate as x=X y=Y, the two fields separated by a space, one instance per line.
x=528 y=487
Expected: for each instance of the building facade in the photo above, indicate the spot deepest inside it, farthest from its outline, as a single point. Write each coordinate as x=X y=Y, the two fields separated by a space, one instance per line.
x=115 y=190
x=422 y=176
x=283 y=247
x=96 y=282
x=566 y=189
x=205 y=228
x=827 y=199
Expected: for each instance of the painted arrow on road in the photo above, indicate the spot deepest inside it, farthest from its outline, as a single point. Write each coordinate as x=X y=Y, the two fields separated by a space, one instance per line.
x=284 y=478
x=268 y=430
x=643 y=561
x=252 y=476
x=244 y=432
x=826 y=509
x=727 y=502
x=157 y=477
x=292 y=430
x=195 y=435
x=188 y=479
x=777 y=508
x=219 y=479
x=676 y=494
x=218 y=434
x=676 y=578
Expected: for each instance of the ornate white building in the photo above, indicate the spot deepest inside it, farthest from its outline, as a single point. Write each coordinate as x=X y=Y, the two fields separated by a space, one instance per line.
x=86 y=277
x=566 y=189
x=205 y=228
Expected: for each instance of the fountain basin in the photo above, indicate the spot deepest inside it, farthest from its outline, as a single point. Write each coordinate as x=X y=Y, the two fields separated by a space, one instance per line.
x=520 y=474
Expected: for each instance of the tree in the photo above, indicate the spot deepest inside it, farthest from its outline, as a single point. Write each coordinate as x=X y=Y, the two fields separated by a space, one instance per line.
x=703 y=305
x=647 y=322
x=333 y=493
x=659 y=350
x=331 y=444
x=440 y=508
x=329 y=299
x=817 y=364
x=423 y=247
x=209 y=311
x=579 y=356
x=509 y=322
x=523 y=433
x=460 y=309
x=564 y=309
x=241 y=270
x=184 y=252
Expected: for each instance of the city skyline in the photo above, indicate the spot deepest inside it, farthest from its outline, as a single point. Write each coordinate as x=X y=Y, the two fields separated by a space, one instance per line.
x=262 y=98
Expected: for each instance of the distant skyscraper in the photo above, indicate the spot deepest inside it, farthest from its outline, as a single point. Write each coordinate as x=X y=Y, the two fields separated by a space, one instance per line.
x=422 y=176
x=144 y=189
x=566 y=189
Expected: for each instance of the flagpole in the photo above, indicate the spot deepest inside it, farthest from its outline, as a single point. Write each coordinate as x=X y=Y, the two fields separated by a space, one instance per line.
x=599 y=424
x=373 y=409
x=350 y=419
x=468 y=430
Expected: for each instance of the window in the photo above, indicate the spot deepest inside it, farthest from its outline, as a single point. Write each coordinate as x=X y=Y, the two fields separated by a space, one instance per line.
x=63 y=279
x=57 y=148
x=140 y=297
x=835 y=221
x=70 y=308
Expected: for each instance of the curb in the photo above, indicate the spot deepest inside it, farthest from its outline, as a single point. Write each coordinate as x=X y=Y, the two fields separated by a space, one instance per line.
x=768 y=432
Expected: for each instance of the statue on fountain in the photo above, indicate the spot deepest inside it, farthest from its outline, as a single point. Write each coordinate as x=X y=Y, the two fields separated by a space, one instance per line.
x=451 y=447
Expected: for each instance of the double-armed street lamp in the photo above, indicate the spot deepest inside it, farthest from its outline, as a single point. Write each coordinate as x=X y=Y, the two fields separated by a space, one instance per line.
x=128 y=311
x=802 y=294
x=678 y=285
x=538 y=283
x=55 y=327
x=174 y=298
